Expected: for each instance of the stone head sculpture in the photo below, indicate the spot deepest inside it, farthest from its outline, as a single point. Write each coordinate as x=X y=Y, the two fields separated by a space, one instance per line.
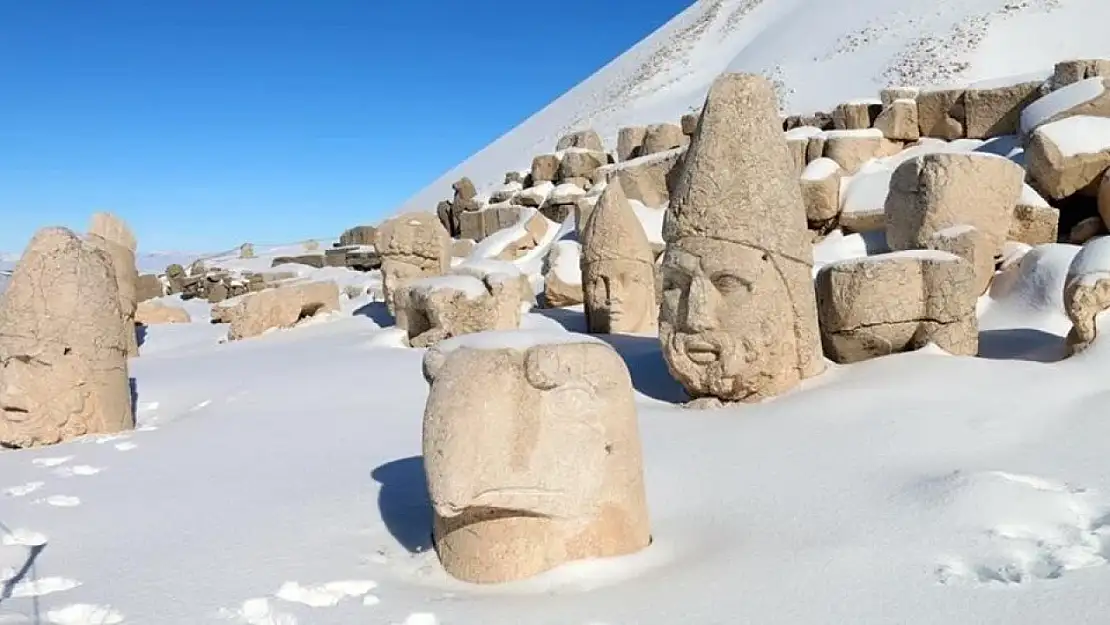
x=532 y=454
x=738 y=319
x=618 y=268
x=412 y=245
x=441 y=307
x=111 y=234
x=63 y=358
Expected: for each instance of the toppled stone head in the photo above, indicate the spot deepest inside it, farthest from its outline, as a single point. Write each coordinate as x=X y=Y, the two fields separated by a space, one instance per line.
x=738 y=319
x=413 y=245
x=618 y=267
x=63 y=351
x=532 y=454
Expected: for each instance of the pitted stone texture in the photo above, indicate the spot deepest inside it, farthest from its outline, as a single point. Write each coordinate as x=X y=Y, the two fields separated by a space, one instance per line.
x=972 y=245
x=941 y=114
x=434 y=309
x=412 y=246
x=997 y=111
x=647 y=179
x=1087 y=292
x=820 y=184
x=1059 y=171
x=63 y=349
x=897 y=302
x=111 y=234
x=618 y=268
x=533 y=459
x=280 y=307
x=855 y=115
x=630 y=142
x=151 y=313
x=898 y=121
x=585 y=139
x=852 y=148
x=738 y=319
x=1035 y=221
x=932 y=192
x=663 y=137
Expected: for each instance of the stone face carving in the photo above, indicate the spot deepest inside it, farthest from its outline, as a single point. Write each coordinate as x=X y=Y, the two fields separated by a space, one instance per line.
x=618 y=268
x=63 y=350
x=532 y=454
x=109 y=233
x=412 y=246
x=738 y=319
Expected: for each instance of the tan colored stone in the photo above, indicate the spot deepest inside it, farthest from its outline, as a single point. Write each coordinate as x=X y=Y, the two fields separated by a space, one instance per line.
x=630 y=142
x=545 y=168
x=820 y=183
x=441 y=307
x=815 y=149
x=618 y=268
x=972 y=245
x=1034 y=221
x=533 y=230
x=412 y=246
x=1086 y=230
x=562 y=277
x=63 y=349
x=997 y=111
x=361 y=235
x=149 y=286
x=462 y=248
x=899 y=121
x=585 y=139
x=517 y=488
x=646 y=179
x=932 y=192
x=1089 y=97
x=663 y=137
x=151 y=313
x=738 y=319
x=940 y=114
x=1087 y=293
x=282 y=307
x=889 y=95
x=1070 y=72
x=1057 y=169
x=111 y=234
x=897 y=302
x=852 y=148
x=854 y=115
x=579 y=163
x=690 y=123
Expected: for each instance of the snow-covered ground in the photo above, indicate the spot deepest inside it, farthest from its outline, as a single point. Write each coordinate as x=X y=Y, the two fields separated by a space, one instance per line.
x=818 y=52
x=277 y=480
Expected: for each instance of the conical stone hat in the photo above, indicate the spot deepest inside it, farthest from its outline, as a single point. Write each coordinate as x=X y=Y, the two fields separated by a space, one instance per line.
x=613 y=232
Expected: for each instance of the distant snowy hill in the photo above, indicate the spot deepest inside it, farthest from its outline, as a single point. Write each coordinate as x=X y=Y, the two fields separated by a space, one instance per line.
x=819 y=53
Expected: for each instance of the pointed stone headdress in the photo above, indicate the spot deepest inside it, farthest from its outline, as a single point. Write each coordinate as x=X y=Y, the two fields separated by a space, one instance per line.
x=613 y=232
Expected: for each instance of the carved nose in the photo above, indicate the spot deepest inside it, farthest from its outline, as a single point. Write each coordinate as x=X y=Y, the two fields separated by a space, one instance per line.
x=700 y=313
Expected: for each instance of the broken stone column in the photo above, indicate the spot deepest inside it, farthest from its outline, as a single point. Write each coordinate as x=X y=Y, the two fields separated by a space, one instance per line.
x=896 y=302
x=618 y=268
x=63 y=350
x=532 y=456
x=738 y=319
x=111 y=234
x=412 y=246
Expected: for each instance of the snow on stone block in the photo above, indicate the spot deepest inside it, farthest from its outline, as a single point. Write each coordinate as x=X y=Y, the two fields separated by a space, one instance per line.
x=563 y=275
x=1087 y=291
x=1083 y=97
x=1068 y=155
x=519 y=340
x=863 y=200
x=1035 y=221
x=536 y=195
x=467 y=285
x=820 y=185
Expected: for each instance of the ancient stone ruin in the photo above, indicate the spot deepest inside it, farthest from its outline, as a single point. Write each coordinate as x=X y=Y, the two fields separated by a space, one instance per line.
x=738 y=320
x=500 y=422
x=441 y=307
x=109 y=233
x=281 y=307
x=412 y=246
x=63 y=349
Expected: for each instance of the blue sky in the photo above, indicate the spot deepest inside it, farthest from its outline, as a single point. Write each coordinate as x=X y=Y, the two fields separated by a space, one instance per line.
x=206 y=123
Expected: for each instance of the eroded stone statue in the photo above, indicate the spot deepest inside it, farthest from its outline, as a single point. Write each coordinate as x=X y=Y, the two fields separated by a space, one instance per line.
x=738 y=319
x=63 y=350
x=532 y=455
x=618 y=268
x=412 y=246
x=111 y=234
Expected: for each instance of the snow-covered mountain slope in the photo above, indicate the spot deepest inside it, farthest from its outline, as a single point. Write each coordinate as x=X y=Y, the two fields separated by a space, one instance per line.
x=818 y=52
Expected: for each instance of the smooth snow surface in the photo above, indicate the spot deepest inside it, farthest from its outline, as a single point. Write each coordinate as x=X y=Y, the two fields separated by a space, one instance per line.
x=1081 y=134
x=818 y=53
x=820 y=168
x=1058 y=101
x=468 y=285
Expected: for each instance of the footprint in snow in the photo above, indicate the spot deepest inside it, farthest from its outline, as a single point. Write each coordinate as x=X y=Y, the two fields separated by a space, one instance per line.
x=51 y=462
x=24 y=489
x=20 y=537
x=42 y=587
x=79 y=470
x=60 y=501
x=84 y=614
x=324 y=595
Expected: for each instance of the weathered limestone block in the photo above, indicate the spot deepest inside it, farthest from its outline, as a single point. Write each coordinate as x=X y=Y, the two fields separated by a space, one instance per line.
x=359 y=235
x=562 y=276
x=931 y=192
x=1089 y=97
x=63 y=348
x=1069 y=72
x=441 y=307
x=1034 y=221
x=738 y=319
x=663 y=137
x=889 y=95
x=646 y=179
x=798 y=142
x=852 y=148
x=897 y=302
x=580 y=163
x=855 y=115
x=149 y=286
x=618 y=268
x=280 y=307
x=1087 y=292
x=820 y=183
x=972 y=245
x=690 y=123
x=412 y=246
x=997 y=111
x=530 y=231
x=898 y=121
x=508 y=506
x=464 y=190
x=585 y=139
x=1086 y=229
x=1069 y=155
x=462 y=248
x=506 y=192
x=111 y=234
x=940 y=114
x=545 y=168
x=151 y=313
x=534 y=197
x=472 y=226
x=630 y=142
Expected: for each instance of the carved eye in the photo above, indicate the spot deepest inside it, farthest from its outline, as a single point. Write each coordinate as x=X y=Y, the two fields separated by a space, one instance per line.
x=727 y=283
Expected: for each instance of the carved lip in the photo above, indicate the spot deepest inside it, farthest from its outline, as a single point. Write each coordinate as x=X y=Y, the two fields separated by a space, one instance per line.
x=702 y=351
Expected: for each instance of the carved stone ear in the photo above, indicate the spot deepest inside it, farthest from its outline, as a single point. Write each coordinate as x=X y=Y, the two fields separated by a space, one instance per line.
x=543 y=368
x=434 y=360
